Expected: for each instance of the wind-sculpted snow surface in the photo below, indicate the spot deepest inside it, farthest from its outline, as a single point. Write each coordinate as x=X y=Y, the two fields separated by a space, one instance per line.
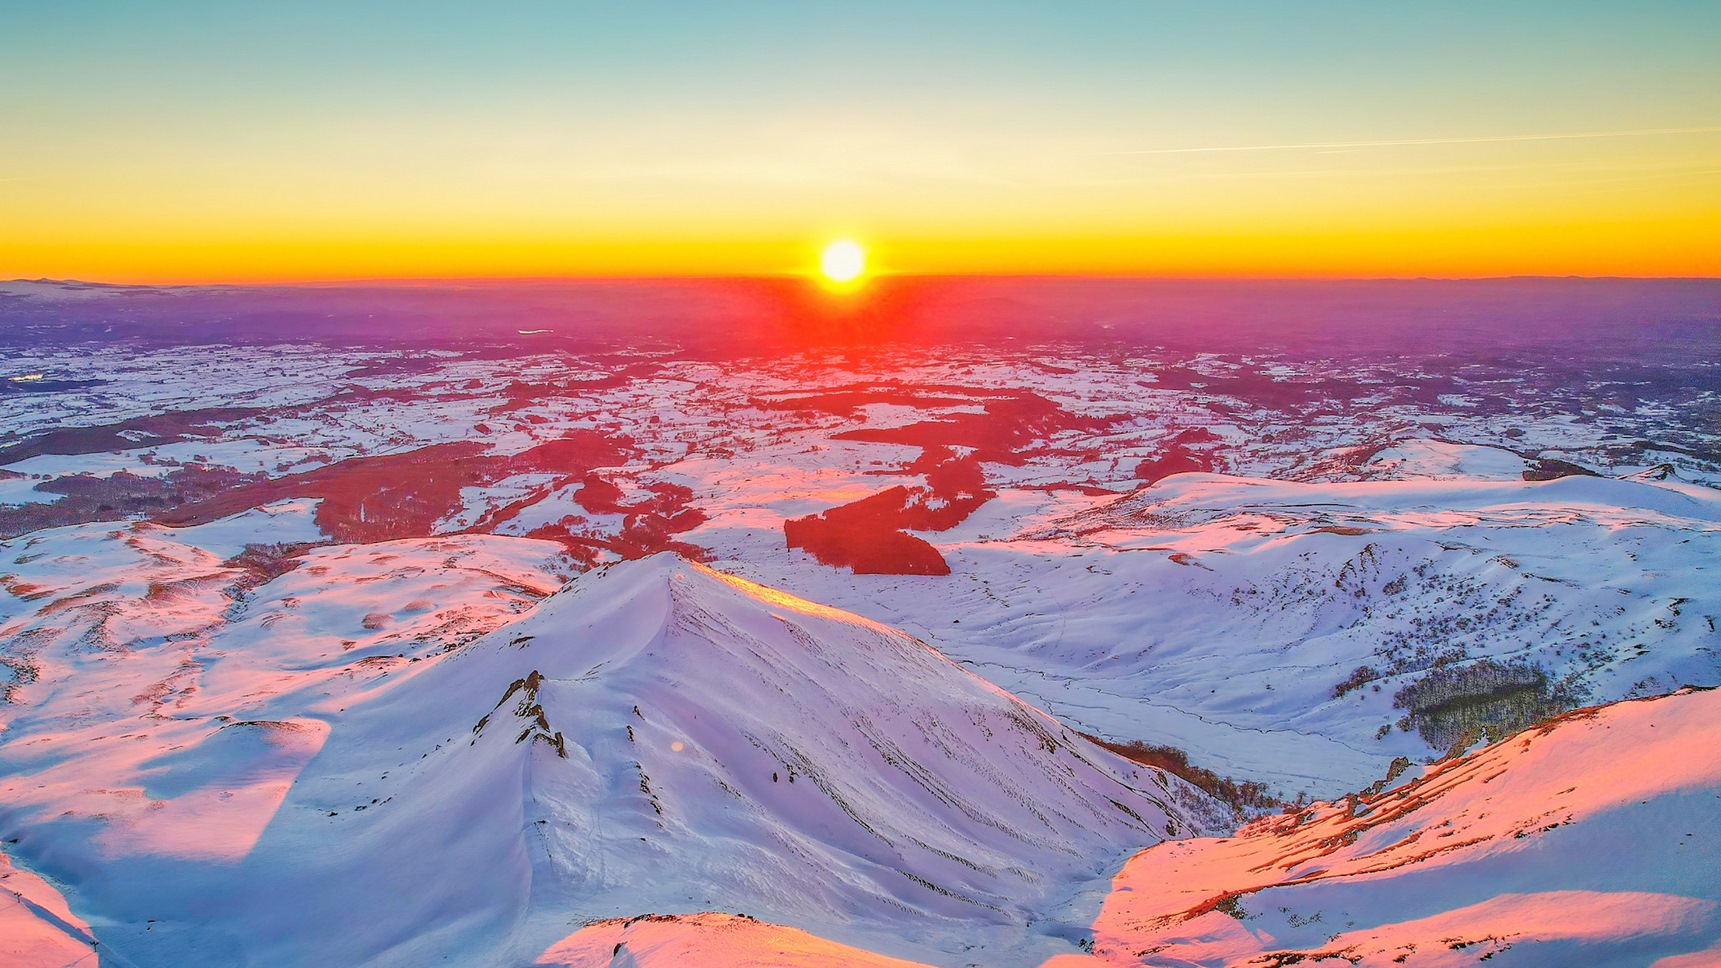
x=1588 y=841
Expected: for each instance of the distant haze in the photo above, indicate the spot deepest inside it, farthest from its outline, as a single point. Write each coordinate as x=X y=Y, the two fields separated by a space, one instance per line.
x=1672 y=319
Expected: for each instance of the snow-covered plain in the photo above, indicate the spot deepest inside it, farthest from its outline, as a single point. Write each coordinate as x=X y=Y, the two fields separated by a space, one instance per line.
x=287 y=638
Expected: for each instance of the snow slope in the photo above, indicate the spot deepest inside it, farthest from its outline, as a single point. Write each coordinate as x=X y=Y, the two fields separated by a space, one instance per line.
x=656 y=737
x=37 y=929
x=1221 y=614
x=1591 y=840
x=161 y=703
x=1443 y=460
x=706 y=940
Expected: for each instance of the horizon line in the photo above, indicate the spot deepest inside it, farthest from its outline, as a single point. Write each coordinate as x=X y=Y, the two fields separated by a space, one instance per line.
x=693 y=277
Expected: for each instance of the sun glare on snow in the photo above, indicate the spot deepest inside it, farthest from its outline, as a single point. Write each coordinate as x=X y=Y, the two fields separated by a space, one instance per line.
x=842 y=261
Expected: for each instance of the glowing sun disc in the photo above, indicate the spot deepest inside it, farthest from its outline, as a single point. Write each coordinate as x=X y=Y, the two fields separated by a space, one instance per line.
x=842 y=261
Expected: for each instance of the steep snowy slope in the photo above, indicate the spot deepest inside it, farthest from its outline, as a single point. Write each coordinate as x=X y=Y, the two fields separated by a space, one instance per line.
x=1589 y=841
x=655 y=738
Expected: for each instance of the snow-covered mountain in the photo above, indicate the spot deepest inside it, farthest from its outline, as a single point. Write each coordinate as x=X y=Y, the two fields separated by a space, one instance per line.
x=656 y=737
x=1588 y=841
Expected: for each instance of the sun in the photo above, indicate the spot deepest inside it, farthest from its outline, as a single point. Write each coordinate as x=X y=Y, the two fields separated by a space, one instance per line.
x=842 y=261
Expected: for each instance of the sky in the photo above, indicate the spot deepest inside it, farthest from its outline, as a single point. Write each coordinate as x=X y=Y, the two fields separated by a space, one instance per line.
x=181 y=141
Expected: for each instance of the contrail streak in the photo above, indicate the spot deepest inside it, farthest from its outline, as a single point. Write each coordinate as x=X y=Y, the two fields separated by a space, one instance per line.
x=1574 y=136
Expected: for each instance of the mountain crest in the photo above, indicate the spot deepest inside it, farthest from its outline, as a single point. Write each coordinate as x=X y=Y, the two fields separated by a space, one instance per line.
x=817 y=768
x=529 y=712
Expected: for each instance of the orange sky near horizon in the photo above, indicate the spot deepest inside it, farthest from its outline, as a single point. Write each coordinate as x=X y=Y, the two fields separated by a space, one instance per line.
x=1667 y=248
x=176 y=143
x=1674 y=249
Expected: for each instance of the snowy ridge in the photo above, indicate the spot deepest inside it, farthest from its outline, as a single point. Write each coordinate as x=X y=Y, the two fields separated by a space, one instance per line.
x=782 y=758
x=1443 y=460
x=1194 y=500
x=1590 y=840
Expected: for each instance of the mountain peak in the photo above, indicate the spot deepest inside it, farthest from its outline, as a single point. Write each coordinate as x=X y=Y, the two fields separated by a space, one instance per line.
x=819 y=769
